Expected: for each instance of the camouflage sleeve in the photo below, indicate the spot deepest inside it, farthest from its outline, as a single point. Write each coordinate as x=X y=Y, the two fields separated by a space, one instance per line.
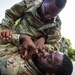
x=13 y=14
x=16 y=39
x=9 y=48
x=54 y=35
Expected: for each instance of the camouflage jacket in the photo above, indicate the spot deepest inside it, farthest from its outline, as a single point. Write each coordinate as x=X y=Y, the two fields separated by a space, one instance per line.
x=31 y=24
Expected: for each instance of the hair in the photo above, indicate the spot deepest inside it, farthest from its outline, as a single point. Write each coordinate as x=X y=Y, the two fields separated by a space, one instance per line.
x=59 y=3
x=65 y=68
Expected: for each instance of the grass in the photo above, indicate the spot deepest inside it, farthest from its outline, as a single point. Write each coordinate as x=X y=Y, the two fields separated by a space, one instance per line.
x=73 y=60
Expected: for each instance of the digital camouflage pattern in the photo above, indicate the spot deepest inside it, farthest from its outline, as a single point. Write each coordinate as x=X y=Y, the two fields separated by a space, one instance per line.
x=31 y=25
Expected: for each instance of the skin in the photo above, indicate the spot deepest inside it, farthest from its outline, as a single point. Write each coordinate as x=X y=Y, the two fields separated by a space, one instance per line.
x=40 y=45
x=6 y=35
x=26 y=46
x=27 y=42
x=49 y=61
x=49 y=10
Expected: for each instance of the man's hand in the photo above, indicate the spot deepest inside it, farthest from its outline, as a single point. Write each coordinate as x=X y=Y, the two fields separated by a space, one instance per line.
x=40 y=43
x=27 y=42
x=6 y=35
x=27 y=46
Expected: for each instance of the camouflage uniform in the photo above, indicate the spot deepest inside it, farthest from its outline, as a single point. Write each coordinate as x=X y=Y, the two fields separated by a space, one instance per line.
x=30 y=23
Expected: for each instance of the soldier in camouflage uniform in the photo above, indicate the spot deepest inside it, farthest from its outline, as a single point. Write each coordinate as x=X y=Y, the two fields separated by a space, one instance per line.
x=39 y=24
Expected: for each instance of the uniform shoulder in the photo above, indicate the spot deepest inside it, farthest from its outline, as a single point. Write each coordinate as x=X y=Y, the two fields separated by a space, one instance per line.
x=33 y=1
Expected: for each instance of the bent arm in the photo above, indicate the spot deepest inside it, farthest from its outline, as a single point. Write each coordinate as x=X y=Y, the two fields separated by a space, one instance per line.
x=54 y=35
x=12 y=14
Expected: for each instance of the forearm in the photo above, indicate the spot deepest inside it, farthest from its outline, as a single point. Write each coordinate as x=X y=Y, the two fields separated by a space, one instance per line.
x=9 y=48
x=52 y=42
x=19 y=38
x=15 y=39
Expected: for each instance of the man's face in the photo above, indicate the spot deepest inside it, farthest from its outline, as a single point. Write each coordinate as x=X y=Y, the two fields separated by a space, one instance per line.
x=50 y=61
x=49 y=10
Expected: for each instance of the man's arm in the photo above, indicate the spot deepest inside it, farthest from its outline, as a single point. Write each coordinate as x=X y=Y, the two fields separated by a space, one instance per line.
x=53 y=35
x=40 y=43
x=16 y=45
x=12 y=14
x=26 y=46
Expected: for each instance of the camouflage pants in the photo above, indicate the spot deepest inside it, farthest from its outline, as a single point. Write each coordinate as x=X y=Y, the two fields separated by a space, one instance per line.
x=12 y=64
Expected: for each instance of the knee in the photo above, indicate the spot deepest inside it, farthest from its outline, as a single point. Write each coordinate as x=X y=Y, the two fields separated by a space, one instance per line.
x=10 y=67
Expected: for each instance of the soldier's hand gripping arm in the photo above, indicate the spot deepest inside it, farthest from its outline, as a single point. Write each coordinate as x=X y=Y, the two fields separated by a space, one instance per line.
x=22 y=42
x=6 y=35
x=26 y=47
x=40 y=43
